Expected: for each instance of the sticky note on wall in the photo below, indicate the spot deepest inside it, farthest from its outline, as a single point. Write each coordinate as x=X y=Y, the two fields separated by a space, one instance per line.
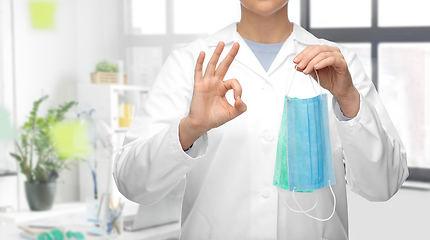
x=42 y=14
x=70 y=139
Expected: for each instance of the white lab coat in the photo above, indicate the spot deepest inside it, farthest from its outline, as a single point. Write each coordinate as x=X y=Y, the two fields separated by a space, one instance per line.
x=229 y=170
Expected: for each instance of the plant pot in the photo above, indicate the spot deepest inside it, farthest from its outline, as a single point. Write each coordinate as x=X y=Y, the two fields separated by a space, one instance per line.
x=42 y=14
x=40 y=196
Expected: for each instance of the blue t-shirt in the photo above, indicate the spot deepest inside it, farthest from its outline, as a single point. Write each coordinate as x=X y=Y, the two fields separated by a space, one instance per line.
x=265 y=52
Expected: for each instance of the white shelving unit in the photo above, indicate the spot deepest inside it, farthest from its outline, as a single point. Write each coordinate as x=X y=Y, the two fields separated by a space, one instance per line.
x=104 y=99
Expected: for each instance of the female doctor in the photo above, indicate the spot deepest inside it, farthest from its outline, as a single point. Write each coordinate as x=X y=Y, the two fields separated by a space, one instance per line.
x=225 y=145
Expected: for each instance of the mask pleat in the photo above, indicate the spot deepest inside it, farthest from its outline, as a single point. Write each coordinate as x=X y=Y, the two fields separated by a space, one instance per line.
x=298 y=161
x=328 y=166
x=314 y=150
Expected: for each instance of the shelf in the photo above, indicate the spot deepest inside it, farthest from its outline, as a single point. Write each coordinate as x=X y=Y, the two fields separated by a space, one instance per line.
x=117 y=87
x=4 y=173
x=120 y=129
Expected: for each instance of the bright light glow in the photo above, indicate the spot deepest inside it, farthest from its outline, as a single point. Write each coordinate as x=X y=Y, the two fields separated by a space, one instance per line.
x=364 y=53
x=400 y=13
x=341 y=13
x=148 y=17
x=294 y=11
x=405 y=91
x=204 y=16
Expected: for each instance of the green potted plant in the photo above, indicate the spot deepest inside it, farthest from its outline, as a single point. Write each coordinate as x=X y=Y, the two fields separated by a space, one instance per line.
x=37 y=155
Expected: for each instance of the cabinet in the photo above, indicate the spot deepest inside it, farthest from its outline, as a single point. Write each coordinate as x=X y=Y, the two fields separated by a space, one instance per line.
x=104 y=99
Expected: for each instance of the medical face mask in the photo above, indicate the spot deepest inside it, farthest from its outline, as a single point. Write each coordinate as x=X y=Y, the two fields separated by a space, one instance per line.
x=303 y=160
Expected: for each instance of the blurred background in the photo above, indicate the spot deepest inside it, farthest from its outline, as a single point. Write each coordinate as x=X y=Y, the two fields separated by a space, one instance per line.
x=96 y=59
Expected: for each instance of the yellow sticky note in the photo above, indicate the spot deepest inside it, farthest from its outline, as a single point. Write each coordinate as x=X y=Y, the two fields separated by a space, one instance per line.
x=42 y=14
x=70 y=139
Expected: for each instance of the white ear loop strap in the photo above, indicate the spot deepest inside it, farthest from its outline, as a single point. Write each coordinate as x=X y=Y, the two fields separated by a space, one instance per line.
x=297 y=211
x=310 y=78
x=319 y=219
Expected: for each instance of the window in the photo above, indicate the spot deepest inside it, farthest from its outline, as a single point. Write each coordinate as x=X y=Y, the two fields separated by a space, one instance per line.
x=399 y=13
x=154 y=28
x=148 y=17
x=405 y=90
x=326 y=14
x=364 y=53
x=392 y=40
x=198 y=16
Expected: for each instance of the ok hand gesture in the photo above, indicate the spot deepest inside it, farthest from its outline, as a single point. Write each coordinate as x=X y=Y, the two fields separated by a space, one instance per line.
x=209 y=106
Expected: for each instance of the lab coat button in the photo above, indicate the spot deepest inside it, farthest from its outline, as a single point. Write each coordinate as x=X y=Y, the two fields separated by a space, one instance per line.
x=266 y=193
x=266 y=86
x=269 y=137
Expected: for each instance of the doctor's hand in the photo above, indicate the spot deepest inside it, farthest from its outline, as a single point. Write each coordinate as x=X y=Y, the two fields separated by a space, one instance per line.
x=209 y=106
x=333 y=73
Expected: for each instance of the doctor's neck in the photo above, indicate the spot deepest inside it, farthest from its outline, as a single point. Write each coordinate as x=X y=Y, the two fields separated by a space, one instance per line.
x=264 y=23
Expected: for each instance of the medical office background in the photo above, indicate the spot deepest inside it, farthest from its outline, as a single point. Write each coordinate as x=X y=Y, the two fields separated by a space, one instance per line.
x=391 y=38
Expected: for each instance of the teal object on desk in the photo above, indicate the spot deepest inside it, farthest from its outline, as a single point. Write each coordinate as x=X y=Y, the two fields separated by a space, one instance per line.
x=56 y=234
x=76 y=235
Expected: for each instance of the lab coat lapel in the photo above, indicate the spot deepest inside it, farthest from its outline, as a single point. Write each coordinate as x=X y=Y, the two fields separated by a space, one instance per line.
x=229 y=34
x=296 y=42
x=245 y=55
x=248 y=58
x=287 y=49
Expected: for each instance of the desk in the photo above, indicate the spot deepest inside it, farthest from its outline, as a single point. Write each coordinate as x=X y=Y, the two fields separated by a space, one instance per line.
x=9 y=224
x=171 y=231
x=405 y=216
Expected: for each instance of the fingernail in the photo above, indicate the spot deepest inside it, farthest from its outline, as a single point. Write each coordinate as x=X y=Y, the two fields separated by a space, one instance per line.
x=316 y=66
x=295 y=60
x=305 y=71
x=300 y=65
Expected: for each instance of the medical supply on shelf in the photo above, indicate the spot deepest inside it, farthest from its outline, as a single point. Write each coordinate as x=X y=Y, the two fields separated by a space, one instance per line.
x=125 y=114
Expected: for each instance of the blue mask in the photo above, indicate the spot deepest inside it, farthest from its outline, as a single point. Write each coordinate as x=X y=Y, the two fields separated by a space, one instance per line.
x=303 y=160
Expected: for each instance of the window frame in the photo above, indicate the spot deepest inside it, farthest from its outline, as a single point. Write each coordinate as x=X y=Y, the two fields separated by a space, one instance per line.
x=166 y=41
x=373 y=35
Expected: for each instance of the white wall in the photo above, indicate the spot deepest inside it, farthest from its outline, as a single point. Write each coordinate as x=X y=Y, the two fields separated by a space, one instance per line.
x=8 y=185
x=1 y=52
x=46 y=63
x=53 y=62
x=6 y=93
x=98 y=34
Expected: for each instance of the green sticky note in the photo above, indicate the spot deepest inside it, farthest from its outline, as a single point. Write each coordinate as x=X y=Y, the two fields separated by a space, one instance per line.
x=6 y=130
x=42 y=14
x=70 y=139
